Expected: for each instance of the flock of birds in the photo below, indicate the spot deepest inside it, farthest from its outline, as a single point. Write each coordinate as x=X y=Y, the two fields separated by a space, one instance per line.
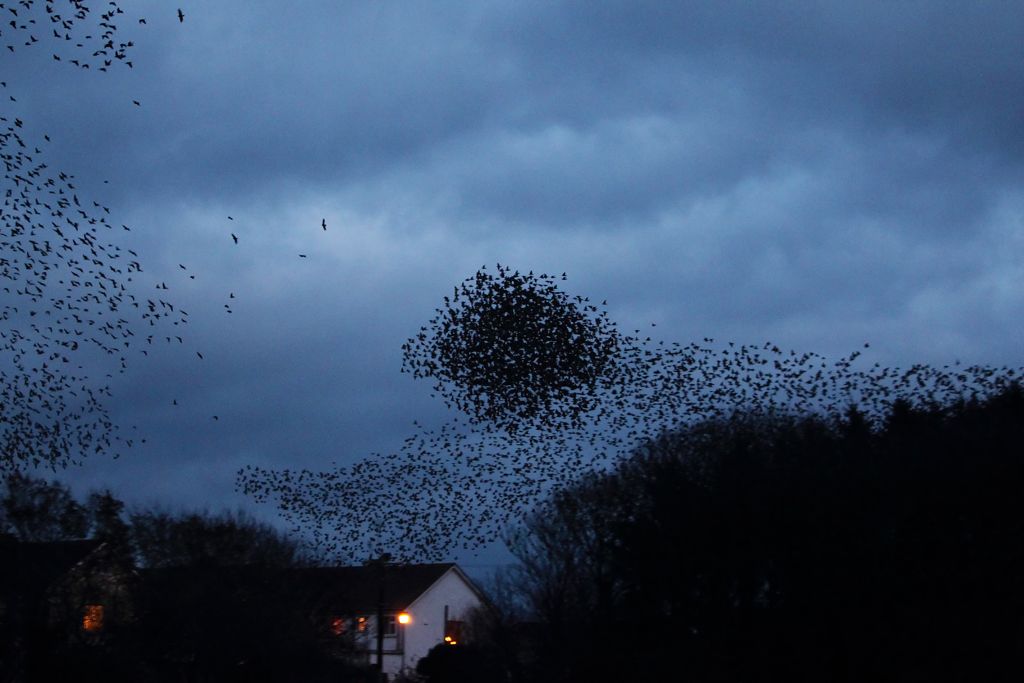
x=71 y=308
x=62 y=19
x=67 y=284
x=542 y=386
x=543 y=389
x=544 y=352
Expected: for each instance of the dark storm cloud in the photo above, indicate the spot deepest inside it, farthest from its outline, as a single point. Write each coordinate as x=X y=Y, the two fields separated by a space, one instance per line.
x=725 y=94
x=318 y=93
x=562 y=112
x=910 y=62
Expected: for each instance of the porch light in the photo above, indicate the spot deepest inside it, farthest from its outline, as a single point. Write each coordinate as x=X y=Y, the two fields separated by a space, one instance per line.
x=404 y=618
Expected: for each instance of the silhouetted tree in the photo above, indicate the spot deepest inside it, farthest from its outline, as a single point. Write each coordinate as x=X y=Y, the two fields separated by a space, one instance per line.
x=219 y=603
x=36 y=510
x=108 y=520
x=798 y=549
x=500 y=629
x=163 y=539
x=458 y=664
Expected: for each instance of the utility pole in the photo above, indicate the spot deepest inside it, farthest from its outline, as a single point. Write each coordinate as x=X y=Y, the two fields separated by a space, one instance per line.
x=382 y=563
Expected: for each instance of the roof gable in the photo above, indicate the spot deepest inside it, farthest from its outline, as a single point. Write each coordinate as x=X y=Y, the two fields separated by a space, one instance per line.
x=456 y=571
x=353 y=590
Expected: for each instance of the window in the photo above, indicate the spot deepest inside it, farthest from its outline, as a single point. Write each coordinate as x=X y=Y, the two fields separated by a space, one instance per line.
x=339 y=626
x=361 y=624
x=92 y=618
x=390 y=625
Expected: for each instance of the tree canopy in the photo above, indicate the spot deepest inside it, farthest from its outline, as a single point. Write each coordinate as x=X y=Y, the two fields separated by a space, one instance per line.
x=785 y=548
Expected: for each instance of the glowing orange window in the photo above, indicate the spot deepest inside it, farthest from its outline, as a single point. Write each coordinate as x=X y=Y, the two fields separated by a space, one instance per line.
x=92 y=618
x=338 y=626
x=361 y=624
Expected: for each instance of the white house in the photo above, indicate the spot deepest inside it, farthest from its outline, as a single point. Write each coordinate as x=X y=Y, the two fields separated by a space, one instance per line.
x=423 y=605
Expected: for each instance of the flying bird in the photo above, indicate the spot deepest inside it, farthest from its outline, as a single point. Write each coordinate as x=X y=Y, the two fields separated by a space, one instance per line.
x=234 y=237
x=181 y=16
x=323 y=223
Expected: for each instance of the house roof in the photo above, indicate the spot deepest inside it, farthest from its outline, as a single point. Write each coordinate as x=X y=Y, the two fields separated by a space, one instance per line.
x=334 y=590
x=354 y=590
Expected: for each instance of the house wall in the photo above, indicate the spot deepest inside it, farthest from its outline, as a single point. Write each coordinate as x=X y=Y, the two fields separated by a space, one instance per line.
x=427 y=627
x=394 y=651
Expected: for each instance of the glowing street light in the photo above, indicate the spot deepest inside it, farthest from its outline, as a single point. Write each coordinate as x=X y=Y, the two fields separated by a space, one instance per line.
x=404 y=618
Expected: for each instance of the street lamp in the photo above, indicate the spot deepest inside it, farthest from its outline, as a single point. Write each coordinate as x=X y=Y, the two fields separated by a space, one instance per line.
x=382 y=565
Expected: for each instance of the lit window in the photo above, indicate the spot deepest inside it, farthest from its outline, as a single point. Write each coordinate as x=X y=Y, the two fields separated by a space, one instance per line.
x=361 y=624
x=338 y=626
x=92 y=618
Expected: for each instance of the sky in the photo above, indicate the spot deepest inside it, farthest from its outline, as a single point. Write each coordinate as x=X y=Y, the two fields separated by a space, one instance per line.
x=814 y=174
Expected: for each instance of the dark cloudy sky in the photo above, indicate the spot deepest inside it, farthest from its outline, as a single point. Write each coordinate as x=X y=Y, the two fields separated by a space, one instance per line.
x=816 y=174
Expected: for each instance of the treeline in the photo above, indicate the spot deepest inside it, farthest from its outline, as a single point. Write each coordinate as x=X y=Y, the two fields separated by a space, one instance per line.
x=36 y=510
x=91 y=591
x=782 y=549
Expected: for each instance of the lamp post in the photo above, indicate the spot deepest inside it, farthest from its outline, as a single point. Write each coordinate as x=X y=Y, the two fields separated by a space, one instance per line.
x=382 y=563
